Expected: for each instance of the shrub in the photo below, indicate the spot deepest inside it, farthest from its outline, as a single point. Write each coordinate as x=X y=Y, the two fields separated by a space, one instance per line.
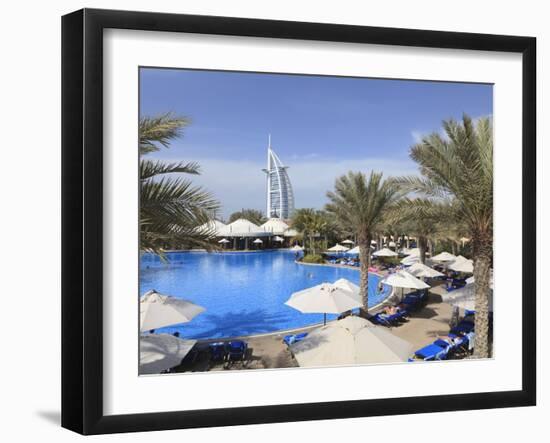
x=313 y=258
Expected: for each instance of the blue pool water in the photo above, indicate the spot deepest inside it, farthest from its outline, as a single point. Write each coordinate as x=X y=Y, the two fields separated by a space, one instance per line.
x=243 y=293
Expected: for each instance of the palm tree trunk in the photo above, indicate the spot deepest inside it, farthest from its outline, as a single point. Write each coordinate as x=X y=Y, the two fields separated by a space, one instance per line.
x=482 y=276
x=422 y=242
x=364 y=258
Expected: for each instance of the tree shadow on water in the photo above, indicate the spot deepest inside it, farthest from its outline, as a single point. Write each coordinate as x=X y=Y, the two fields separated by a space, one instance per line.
x=237 y=323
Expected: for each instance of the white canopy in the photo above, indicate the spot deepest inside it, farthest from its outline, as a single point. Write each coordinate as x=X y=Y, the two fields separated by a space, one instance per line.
x=391 y=244
x=444 y=257
x=213 y=226
x=462 y=264
x=350 y=341
x=224 y=240
x=348 y=242
x=257 y=241
x=421 y=270
x=157 y=310
x=158 y=352
x=403 y=279
x=296 y=248
x=275 y=226
x=384 y=252
x=327 y=298
x=338 y=248
x=243 y=228
x=290 y=233
x=279 y=239
x=355 y=250
x=410 y=260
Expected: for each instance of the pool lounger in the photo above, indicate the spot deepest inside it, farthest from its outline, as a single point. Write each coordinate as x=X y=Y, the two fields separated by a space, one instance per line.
x=294 y=338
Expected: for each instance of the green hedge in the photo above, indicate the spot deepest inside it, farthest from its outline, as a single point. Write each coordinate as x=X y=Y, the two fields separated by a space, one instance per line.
x=313 y=258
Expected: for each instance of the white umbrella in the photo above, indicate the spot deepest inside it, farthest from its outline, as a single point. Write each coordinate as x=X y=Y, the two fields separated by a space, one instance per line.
x=157 y=310
x=327 y=298
x=279 y=239
x=224 y=240
x=257 y=241
x=385 y=252
x=462 y=264
x=391 y=244
x=410 y=260
x=350 y=341
x=296 y=248
x=403 y=279
x=421 y=270
x=158 y=352
x=353 y=251
x=338 y=248
x=465 y=297
x=444 y=257
x=348 y=242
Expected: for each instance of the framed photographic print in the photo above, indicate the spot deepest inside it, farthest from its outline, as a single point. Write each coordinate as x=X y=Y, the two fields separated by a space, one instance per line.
x=269 y=221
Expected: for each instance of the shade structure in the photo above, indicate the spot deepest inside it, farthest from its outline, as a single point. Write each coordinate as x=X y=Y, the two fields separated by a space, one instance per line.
x=410 y=260
x=212 y=227
x=224 y=240
x=423 y=271
x=462 y=264
x=348 y=242
x=296 y=248
x=385 y=252
x=327 y=298
x=403 y=279
x=350 y=341
x=243 y=228
x=337 y=248
x=278 y=239
x=157 y=310
x=444 y=257
x=354 y=251
x=159 y=352
x=257 y=241
x=275 y=226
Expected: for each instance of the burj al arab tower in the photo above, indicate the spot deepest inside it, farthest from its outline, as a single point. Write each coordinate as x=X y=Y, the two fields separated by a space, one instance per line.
x=280 y=198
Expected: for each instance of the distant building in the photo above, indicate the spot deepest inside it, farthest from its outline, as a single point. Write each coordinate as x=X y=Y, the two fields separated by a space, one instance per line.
x=280 y=198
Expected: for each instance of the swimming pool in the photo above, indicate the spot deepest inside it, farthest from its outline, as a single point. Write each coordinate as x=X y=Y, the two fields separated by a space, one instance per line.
x=243 y=293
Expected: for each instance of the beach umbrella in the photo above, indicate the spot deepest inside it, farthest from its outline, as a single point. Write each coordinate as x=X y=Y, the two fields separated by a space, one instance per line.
x=277 y=238
x=465 y=297
x=350 y=341
x=462 y=264
x=348 y=242
x=444 y=257
x=403 y=279
x=296 y=248
x=158 y=352
x=257 y=241
x=224 y=240
x=353 y=251
x=410 y=260
x=157 y=310
x=338 y=248
x=384 y=252
x=421 y=270
x=326 y=298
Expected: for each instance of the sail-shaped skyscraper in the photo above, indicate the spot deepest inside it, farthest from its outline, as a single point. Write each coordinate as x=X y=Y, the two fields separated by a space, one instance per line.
x=280 y=198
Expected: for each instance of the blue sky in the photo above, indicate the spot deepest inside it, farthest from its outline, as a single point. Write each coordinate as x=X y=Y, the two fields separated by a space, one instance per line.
x=321 y=126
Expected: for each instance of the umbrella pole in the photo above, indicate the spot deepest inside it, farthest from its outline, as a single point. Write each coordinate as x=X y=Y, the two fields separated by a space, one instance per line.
x=324 y=319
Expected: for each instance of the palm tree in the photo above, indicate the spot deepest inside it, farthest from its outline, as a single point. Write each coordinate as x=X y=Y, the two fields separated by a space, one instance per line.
x=460 y=165
x=311 y=224
x=252 y=215
x=360 y=204
x=171 y=209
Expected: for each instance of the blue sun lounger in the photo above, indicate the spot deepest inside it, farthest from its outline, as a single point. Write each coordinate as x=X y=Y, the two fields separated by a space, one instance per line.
x=294 y=338
x=438 y=350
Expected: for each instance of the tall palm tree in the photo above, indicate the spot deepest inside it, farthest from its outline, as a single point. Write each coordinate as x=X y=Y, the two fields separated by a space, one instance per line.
x=360 y=204
x=171 y=208
x=460 y=165
x=310 y=223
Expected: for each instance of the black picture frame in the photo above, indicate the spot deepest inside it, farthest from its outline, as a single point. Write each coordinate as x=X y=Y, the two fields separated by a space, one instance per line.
x=82 y=218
